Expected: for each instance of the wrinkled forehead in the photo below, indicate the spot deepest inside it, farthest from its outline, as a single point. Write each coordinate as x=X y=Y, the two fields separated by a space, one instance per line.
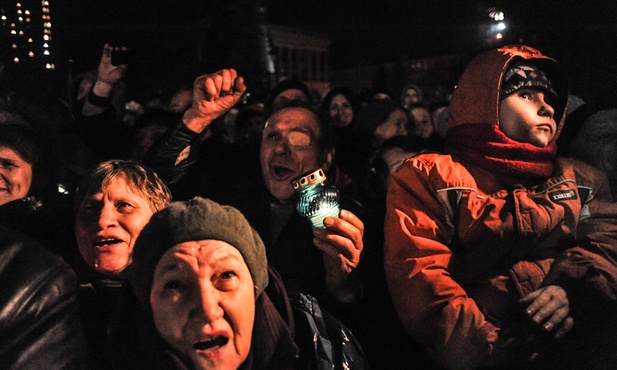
x=293 y=119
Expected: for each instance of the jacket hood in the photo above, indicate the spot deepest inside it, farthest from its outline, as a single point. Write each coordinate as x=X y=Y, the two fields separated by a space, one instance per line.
x=475 y=99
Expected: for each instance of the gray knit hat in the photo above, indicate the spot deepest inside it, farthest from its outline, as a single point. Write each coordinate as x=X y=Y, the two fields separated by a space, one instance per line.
x=196 y=219
x=523 y=75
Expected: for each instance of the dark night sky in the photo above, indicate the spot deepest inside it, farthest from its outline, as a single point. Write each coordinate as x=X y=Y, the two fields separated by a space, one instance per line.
x=581 y=35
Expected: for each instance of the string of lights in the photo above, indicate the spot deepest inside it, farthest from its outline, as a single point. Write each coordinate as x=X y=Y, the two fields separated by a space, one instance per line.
x=26 y=26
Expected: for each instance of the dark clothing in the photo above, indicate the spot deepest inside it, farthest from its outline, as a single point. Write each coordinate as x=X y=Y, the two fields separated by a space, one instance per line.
x=38 y=307
x=104 y=134
x=99 y=298
x=33 y=218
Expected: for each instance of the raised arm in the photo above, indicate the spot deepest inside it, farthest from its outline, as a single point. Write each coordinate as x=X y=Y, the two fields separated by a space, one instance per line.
x=213 y=95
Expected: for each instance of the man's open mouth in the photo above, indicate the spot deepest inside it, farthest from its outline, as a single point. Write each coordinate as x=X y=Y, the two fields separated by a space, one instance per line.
x=281 y=171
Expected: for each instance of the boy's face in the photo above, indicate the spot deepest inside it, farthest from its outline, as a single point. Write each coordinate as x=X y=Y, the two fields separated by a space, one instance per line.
x=527 y=117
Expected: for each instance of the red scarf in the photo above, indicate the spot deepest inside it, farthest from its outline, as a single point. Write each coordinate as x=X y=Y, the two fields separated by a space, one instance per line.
x=487 y=146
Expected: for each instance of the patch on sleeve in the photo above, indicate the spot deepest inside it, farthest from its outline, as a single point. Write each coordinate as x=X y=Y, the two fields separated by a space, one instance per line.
x=563 y=195
x=184 y=154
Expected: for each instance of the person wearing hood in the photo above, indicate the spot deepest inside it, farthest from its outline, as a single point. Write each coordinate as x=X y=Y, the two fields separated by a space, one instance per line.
x=498 y=252
x=410 y=95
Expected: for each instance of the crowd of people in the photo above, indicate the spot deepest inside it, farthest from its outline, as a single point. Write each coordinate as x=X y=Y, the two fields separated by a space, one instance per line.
x=477 y=232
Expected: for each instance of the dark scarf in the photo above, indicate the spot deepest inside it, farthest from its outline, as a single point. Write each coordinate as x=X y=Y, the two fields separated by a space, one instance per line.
x=487 y=146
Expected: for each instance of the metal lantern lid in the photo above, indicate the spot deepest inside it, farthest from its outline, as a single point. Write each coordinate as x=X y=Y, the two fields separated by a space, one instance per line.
x=313 y=178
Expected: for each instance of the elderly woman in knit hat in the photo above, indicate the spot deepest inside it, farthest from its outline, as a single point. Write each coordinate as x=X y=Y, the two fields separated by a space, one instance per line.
x=198 y=275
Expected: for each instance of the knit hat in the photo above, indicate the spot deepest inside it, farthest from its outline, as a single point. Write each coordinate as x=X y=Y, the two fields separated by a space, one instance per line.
x=196 y=219
x=521 y=75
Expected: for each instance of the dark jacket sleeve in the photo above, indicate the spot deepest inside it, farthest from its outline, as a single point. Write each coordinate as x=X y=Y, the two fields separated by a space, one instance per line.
x=39 y=324
x=175 y=154
x=105 y=135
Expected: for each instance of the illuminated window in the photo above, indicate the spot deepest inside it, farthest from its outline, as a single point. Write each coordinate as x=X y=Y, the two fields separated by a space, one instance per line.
x=14 y=46
x=46 y=52
x=30 y=39
x=46 y=37
x=45 y=45
x=13 y=32
x=16 y=60
x=31 y=54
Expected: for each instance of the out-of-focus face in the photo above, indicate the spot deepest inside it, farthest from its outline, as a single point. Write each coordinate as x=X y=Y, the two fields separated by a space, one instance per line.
x=203 y=303
x=411 y=97
x=422 y=122
x=181 y=101
x=527 y=117
x=107 y=225
x=144 y=139
x=397 y=123
x=289 y=149
x=15 y=176
x=340 y=111
x=83 y=88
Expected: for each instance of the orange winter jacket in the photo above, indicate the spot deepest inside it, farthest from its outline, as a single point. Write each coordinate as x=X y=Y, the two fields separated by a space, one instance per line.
x=463 y=244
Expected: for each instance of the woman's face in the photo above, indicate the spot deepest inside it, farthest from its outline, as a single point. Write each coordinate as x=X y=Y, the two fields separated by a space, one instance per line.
x=396 y=124
x=340 y=111
x=15 y=176
x=422 y=122
x=107 y=225
x=203 y=303
x=411 y=97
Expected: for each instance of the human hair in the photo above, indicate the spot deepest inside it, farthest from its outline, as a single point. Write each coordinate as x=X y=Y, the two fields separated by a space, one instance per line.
x=269 y=104
x=141 y=178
